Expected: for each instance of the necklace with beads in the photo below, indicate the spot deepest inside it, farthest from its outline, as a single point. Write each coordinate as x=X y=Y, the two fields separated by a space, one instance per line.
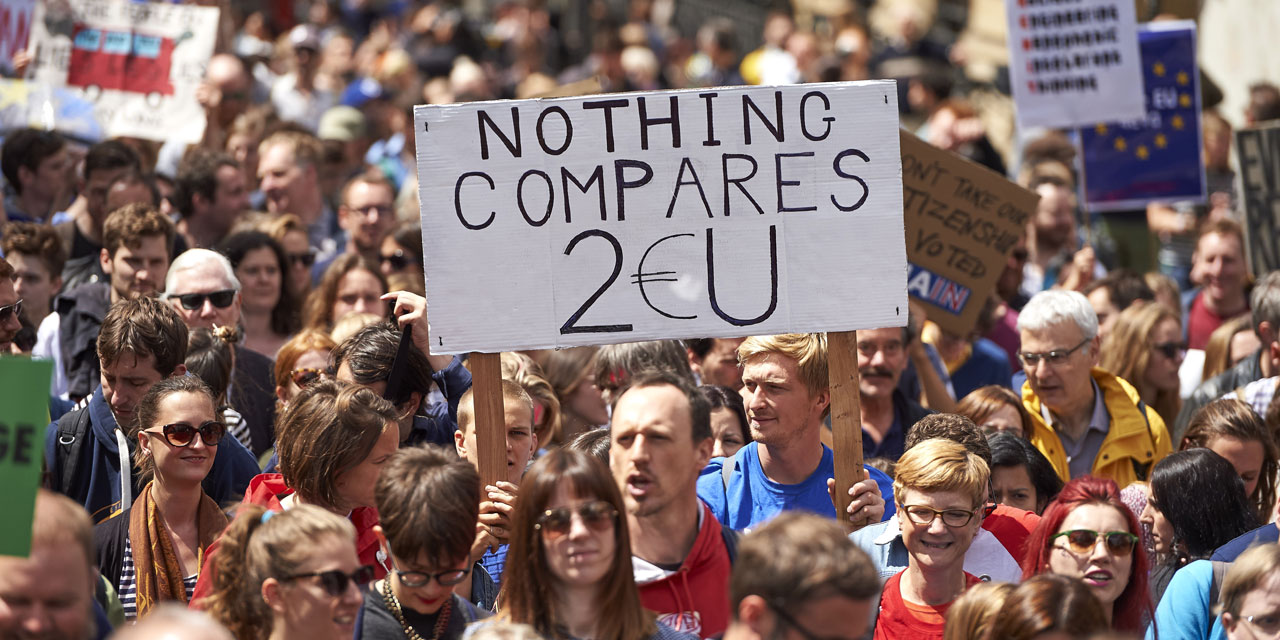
x=393 y=604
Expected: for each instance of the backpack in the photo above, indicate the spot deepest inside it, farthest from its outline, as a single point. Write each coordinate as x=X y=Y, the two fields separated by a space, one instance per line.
x=73 y=432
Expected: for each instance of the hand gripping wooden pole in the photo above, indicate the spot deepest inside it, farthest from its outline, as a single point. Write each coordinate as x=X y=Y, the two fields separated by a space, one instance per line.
x=846 y=421
x=491 y=437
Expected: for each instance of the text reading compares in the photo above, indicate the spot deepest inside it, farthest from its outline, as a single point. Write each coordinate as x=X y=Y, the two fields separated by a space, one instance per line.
x=701 y=213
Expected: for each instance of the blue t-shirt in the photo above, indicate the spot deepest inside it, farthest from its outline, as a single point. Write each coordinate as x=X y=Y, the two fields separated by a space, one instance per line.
x=751 y=497
x=1184 y=611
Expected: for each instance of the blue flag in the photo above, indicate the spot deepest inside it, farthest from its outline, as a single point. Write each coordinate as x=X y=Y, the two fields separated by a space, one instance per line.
x=1128 y=164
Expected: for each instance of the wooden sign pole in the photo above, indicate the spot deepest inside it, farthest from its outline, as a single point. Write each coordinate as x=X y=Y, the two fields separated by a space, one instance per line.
x=491 y=437
x=846 y=421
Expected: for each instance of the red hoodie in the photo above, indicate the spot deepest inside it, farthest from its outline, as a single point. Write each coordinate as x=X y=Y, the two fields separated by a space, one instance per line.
x=695 y=598
x=266 y=490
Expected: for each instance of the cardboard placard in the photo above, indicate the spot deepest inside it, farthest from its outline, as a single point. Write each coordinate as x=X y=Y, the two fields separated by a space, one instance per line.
x=1074 y=63
x=962 y=221
x=1157 y=158
x=674 y=214
x=139 y=64
x=24 y=414
x=1258 y=150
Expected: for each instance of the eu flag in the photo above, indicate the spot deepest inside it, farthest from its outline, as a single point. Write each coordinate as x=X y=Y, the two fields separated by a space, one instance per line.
x=1128 y=164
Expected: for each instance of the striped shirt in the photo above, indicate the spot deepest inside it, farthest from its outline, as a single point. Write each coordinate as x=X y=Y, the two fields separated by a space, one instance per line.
x=128 y=590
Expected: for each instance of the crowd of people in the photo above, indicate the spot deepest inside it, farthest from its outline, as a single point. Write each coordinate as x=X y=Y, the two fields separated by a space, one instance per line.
x=250 y=437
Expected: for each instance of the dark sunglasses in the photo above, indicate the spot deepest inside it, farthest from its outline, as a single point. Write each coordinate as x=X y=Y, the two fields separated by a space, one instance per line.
x=598 y=516
x=220 y=299
x=10 y=311
x=1082 y=541
x=1171 y=350
x=396 y=260
x=415 y=579
x=307 y=375
x=181 y=434
x=305 y=259
x=335 y=582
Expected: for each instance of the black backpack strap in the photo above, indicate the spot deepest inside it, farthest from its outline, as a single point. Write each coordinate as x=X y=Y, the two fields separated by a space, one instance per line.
x=1143 y=469
x=730 y=538
x=73 y=433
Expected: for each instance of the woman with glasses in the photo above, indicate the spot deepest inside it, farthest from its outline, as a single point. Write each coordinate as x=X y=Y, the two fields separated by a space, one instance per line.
x=940 y=489
x=269 y=312
x=332 y=442
x=569 y=569
x=1089 y=534
x=401 y=250
x=151 y=552
x=1197 y=504
x=300 y=256
x=291 y=575
x=1231 y=429
x=994 y=409
x=1146 y=347
x=303 y=360
x=429 y=502
x=1250 y=595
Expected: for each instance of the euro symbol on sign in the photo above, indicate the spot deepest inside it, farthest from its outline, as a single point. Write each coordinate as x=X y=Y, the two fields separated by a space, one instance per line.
x=640 y=277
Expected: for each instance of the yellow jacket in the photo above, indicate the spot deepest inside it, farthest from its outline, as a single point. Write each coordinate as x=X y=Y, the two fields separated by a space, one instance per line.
x=1134 y=442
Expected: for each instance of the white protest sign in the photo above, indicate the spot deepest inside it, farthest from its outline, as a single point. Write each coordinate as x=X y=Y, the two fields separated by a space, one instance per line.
x=676 y=214
x=138 y=63
x=1074 y=62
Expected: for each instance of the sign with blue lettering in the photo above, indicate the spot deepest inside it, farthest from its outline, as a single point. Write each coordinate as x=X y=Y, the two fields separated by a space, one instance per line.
x=962 y=221
x=674 y=214
x=1157 y=158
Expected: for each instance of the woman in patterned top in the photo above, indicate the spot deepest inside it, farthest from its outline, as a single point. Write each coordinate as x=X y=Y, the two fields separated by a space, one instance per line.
x=151 y=552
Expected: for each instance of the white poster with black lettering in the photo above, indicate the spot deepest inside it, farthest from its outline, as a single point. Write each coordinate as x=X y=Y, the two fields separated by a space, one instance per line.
x=1074 y=62
x=676 y=214
x=136 y=64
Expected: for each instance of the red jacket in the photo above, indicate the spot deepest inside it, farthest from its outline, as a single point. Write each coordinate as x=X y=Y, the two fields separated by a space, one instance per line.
x=266 y=490
x=695 y=598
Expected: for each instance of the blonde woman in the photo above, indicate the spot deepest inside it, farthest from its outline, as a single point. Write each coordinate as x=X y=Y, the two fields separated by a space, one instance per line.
x=1146 y=347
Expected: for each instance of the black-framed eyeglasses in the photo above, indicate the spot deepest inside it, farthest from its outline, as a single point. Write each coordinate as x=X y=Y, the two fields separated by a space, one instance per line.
x=597 y=516
x=220 y=299
x=335 y=582
x=10 y=311
x=922 y=515
x=1053 y=358
x=780 y=609
x=1171 y=350
x=415 y=579
x=305 y=259
x=1082 y=541
x=181 y=434
x=396 y=260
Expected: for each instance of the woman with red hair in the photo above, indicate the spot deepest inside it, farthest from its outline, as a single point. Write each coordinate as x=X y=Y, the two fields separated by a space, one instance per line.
x=1088 y=533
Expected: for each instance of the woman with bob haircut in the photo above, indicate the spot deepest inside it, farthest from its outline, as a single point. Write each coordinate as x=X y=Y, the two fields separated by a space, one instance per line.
x=269 y=312
x=150 y=553
x=569 y=569
x=1231 y=429
x=994 y=408
x=1089 y=534
x=1146 y=347
x=1248 y=595
x=351 y=283
x=940 y=489
x=268 y=585
x=1049 y=606
x=332 y=442
x=1197 y=504
x=1021 y=476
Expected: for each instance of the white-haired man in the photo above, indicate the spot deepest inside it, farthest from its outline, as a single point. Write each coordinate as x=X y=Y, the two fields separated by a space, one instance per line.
x=1084 y=420
x=202 y=287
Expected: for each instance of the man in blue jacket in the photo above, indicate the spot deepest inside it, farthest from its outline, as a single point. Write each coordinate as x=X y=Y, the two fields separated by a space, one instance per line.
x=142 y=342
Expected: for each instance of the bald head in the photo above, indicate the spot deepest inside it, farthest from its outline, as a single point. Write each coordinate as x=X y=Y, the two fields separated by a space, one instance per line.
x=229 y=76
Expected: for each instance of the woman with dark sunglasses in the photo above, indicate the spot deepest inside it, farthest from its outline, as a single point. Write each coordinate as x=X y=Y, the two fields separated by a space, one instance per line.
x=1146 y=348
x=1089 y=533
x=290 y=575
x=151 y=552
x=569 y=569
x=1197 y=504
